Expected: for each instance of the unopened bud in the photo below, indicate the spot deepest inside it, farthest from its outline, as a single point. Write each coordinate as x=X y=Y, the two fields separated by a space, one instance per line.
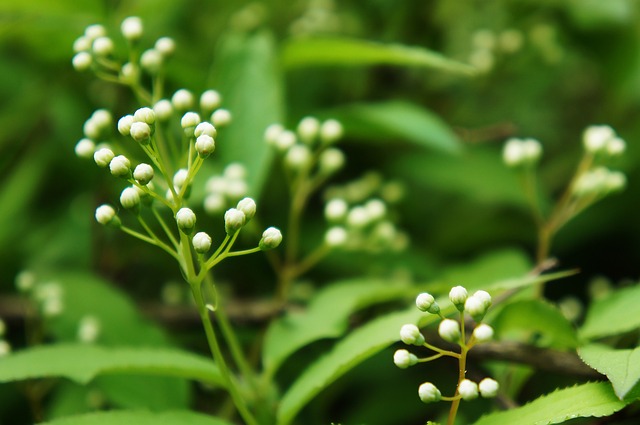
x=141 y=132
x=336 y=236
x=483 y=333
x=132 y=28
x=82 y=61
x=165 y=46
x=120 y=166
x=105 y=215
x=205 y=145
x=271 y=238
x=488 y=388
x=468 y=390
x=85 y=148
x=308 y=129
x=143 y=173
x=234 y=219
x=403 y=359
x=130 y=198
x=103 y=157
x=410 y=335
x=182 y=99
x=201 y=242
x=449 y=330
x=330 y=131
x=248 y=207
x=221 y=117
x=458 y=296
x=429 y=393
x=210 y=100
x=186 y=220
x=124 y=125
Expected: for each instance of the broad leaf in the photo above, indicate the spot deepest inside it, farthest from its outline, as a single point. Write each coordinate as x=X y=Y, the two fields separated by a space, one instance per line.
x=326 y=317
x=587 y=400
x=622 y=367
x=139 y=418
x=613 y=315
x=83 y=362
x=351 y=52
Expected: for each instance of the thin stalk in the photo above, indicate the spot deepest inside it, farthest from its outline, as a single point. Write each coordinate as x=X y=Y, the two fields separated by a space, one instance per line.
x=462 y=367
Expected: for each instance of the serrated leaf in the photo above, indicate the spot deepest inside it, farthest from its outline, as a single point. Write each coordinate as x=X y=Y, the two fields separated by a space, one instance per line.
x=586 y=400
x=611 y=315
x=82 y=363
x=622 y=367
x=139 y=418
x=348 y=353
x=295 y=330
x=351 y=52
x=535 y=317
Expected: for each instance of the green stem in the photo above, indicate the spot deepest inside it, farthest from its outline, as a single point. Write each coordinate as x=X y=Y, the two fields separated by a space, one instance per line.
x=150 y=241
x=166 y=228
x=462 y=367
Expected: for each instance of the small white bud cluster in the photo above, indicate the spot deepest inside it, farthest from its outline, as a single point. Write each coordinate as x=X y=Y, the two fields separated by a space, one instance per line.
x=140 y=126
x=488 y=45
x=468 y=390
x=225 y=190
x=599 y=182
x=98 y=125
x=598 y=139
x=49 y=297
x=205 y=143
x=521 y=152
x=153 y=59
x=85 y=46
x=369 y=185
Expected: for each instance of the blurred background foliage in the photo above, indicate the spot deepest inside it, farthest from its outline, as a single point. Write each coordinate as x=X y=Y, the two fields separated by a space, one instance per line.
x=545 y=69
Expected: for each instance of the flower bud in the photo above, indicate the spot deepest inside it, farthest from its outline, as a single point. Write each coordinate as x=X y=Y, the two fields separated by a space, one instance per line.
x=330 y=131
x=88 y=329
x=186 y=220
x=81 y=44
x=124 y=125
x=205 y=145
x=331 y=161
x=483 y=333
x=210 y=100
x=105 y=214
x=163 y=110
x=221 y=117
x=477 y=305
x=532 y=150
x=131 y=28
x=145 y=115
x=410 y=335
x=201 y=242
x=165 y=46
x=596 y=137
x=248 y=207
x=234 y=219
x=336 y=236
x=271 y=238
x=190 y=119
x=94 y=31
x=182 y=99
x=458 y=296
x=143 y=173
x=272 y=132
x=129 y=72
x=214 y=203
x=298 y=157
x=285 y=140
x=484 y=297
x=205 y=128
x=180 y=178
x=403 y=359
x=151 y=61
x=468 y=390
x=358 y=217
x=141 y=132
x=120 y=166
x=102 y=46
x=130 y=198
x=103 y=157
x=82 y=61
x=308 y=129
x=513 y=153
x=336 y=210
x=488 y=388
x=616 y=146
x=429 y=393
x=449 y=330
x=376 y=209
x=85 y=148
x=425 y=301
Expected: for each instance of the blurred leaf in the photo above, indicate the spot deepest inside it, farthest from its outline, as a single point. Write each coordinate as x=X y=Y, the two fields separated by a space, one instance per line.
x=295 y=330
x=612 y=315
x=300 y=52
x=139 y=418
x=397 y=119
x=595 y=14
x=358 y=346
x=83 y=362
x=526 y=318
x=247 y=74
x=586 y=400
x=622 y=367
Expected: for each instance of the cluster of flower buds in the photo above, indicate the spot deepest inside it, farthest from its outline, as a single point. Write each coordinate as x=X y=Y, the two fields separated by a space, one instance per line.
x=224 y=190
x=521 y=152
x=48 y=296
x=488 y=44
x=599 y=182
x=452 y=331
x=602 y=139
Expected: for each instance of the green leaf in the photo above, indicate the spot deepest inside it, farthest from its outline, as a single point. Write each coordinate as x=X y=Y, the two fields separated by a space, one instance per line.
x=613 y=315
x=525 y=318
x=398 y=119
x=348 y=353
x=586 y=400
x=343 y=51
x=139 y=418
x=295 y=330
x=622 y=367
x=82 y=363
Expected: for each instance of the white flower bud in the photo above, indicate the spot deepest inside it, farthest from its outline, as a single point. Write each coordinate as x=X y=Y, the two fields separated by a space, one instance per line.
x=330 y=131
x=235 y=189
x=425 y=301
x=484 y=296
x=331 y=160
x=285 y=140
x=477 y=305
x=140 y=132
x=102 y=46
x=85 y=148
x=358 y=217
x=105 y=214
x=234 y=219
x=88 y=329
x=468 y=390
x=248 y=207
x=143 y=173
x=26 y=280
x=216 y=184
x=201 y=242
x=484 y=39
x=615 y=146
x=179 y=178
x=190 y=119
x=596 y=137
x=166 y=46
x=429 y=393
x=151 y=61
x=205 y=128
x=103 y=157
x=271 y=238
x=376 y=209
x=235 y=171
x=410 y=335
x=458 y=296
x=210 y=100
x=449 y=330
x=336 y=236
x=615 y=181
x=308 y=129
x=124 y=125
x=130 y=198
x=131 y=28
x=129 y=72
x=182 y=99
x=214 y=203
x=205 y=145
x=483 y=333
x=272 y=132
x=298 y=157
x=186 y=220
x=81 y=44
x=513 y=153
x=163 y=109
x=510 y=40
x=221 y=117
x=336 y=210
x=532 y=150
x=91 y=129
x=145 y=115
x=94 y=31
x=82 y=61
x=120 y=166
x=488 y=388
x=5 y=348
x=403 y=359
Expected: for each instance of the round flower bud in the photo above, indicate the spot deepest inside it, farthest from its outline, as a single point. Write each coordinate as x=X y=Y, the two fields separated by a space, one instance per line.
x=166 y=46
x=410 y=335
x=429 y=393
x=271 y=238
x=102 y=118
x=272 y=132
x=214 y=203
x=190 y=119
x=143 y=173
x=308 y=129
x=186 y=220
x=210 y=100
x=82 y=61
x=151 y=61
x=129 y=72
x=124 y=125
x=403 y=359
x=458 y=296
x=285 y=140
x=105 y=214
x=201 y=242
x=336 y=209
x=477 y=306
x=205 y=128
x=615 y=181
x=102 y=46
x=205 y=145
x=331 y=160
x=120 y=166
x=180 y=177
x=163 y=110
x=330 y=131
x=140 y=132
x=85 y=148
x=376 y=209
x=484 y=297
x=235 y=171
x=483 y=333
x=182 y=99
x=132 y=28
x=5 y=348
x=221 y=117
x=532 y=150
x=298 y=157
x=358 y=217
x=336 y=236
x=424 y=301
x=88 y=329
x=468 y=390
x=130 y=198
x=248 y=207
x=596 y=137
x=145 y=115
x=94 y=31
x=103 y=157
x=91 y=129
x=615 y=146
x=449 y=330
x=81 y=44
x=513 y=153
x=488 y=388
x=234 y=219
